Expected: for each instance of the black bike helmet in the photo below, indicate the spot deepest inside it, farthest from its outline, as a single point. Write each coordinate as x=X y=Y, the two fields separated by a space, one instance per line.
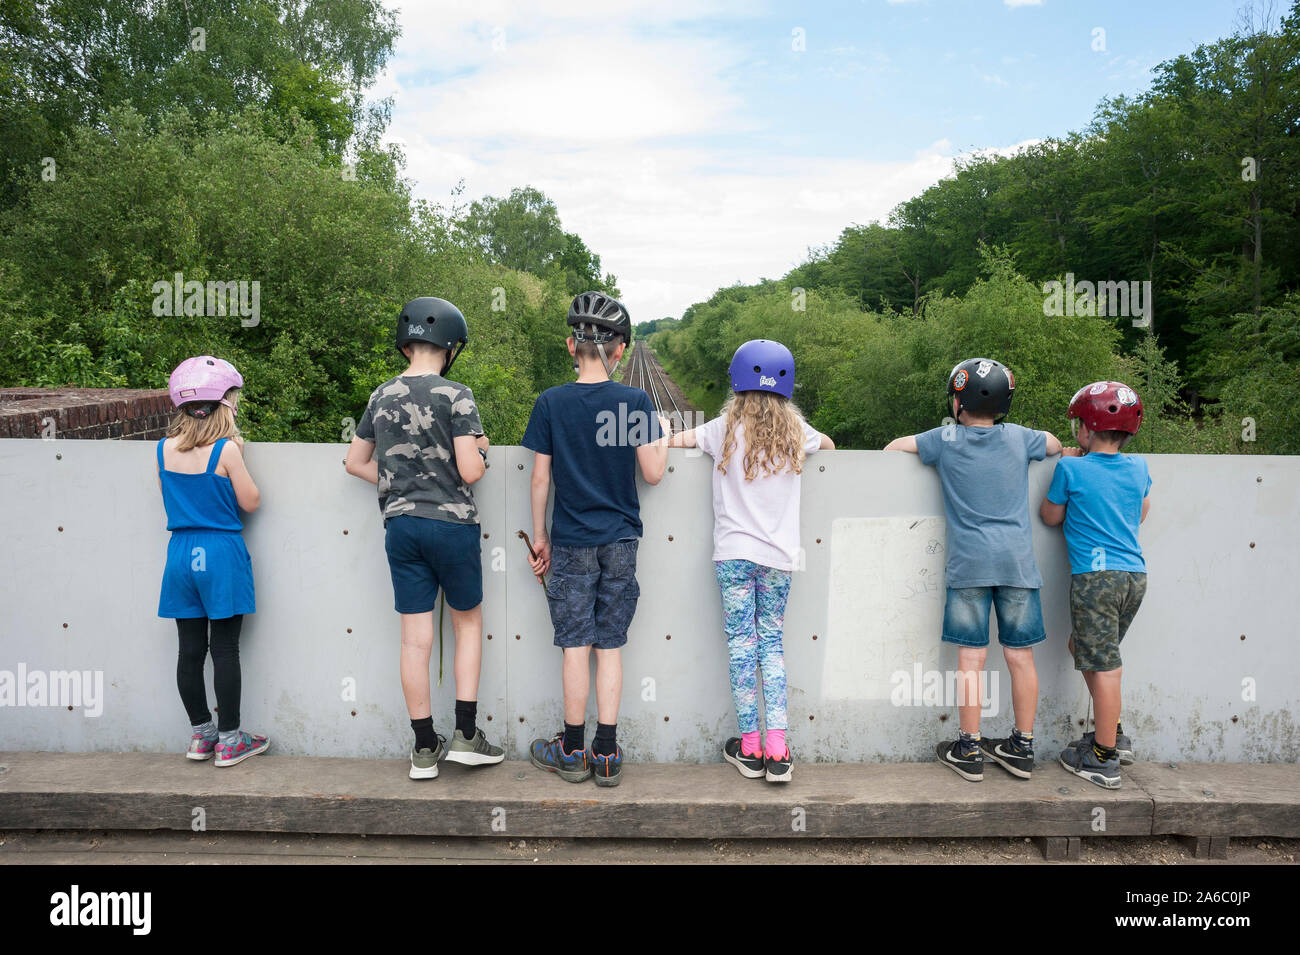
x=982 y=386
x=436 y=321
x=599 y=318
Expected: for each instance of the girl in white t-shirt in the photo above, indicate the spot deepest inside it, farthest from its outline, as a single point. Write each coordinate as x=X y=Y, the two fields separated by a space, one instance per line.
x=758 y=442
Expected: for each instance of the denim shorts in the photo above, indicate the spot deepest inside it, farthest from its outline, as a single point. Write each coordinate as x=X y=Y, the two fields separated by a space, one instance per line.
x=592 y=594
x=425 y=554
x=966 y=616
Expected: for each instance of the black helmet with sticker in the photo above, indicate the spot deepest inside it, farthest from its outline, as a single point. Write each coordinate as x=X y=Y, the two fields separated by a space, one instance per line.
x=982 y=386
x=436 y=321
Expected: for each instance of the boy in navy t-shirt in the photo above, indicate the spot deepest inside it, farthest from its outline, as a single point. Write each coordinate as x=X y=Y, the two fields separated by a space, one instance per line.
x=1101 y=497
x=589 y=437
x=984 y=470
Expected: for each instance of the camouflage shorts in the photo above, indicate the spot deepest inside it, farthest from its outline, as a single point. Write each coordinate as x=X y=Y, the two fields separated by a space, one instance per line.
x=1102 y=605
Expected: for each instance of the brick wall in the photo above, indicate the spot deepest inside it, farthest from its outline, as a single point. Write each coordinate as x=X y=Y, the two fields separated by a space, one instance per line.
x=85 y=412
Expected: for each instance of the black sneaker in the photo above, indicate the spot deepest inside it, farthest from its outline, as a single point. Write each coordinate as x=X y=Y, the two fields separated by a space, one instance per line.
x=751 y=767
x=1015 y=759
x=779 y=770
x=970 y=766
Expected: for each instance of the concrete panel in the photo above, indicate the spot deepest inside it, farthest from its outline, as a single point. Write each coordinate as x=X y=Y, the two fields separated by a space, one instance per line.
x=320 y=656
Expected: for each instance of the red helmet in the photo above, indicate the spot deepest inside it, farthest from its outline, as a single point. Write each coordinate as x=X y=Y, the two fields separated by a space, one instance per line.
x=1107 y=406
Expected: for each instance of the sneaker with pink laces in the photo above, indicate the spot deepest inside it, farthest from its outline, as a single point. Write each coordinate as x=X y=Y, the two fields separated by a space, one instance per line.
x=201 y=747
x=249 y=744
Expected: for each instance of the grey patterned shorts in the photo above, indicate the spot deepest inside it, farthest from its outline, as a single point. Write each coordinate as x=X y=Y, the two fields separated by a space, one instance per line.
x=592 y=594
x=1102 y=605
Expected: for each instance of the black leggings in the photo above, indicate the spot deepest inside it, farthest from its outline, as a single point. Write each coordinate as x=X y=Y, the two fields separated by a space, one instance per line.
x=193 y=633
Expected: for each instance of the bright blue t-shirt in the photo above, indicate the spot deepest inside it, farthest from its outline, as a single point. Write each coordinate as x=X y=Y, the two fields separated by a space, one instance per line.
x=592 y=432
x=985 y=476
x=1103 y=494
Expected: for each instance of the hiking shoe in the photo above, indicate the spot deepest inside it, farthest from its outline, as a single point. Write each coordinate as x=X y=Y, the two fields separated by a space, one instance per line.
x=1123 y=746
x=424 y=762
x=751 y=767
x=246 y=745
x=1083 y=761
x=473 y=752
x=779 y=768
x=607 y=770
x=966 y=765
x=201 y=747
x=550 y=755
x=1017 y=760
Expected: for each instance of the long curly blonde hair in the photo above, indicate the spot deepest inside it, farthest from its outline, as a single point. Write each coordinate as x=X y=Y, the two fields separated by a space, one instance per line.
x=200 y=432
x=773 y=433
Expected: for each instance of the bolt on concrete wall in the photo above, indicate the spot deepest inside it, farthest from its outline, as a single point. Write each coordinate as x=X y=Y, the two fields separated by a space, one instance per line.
x=1210 y=662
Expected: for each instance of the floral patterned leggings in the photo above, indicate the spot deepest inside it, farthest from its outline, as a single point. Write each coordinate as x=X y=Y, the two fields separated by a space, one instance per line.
x=753 y=613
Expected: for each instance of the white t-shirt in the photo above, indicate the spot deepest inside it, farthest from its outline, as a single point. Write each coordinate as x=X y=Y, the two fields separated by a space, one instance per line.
x=754 y=520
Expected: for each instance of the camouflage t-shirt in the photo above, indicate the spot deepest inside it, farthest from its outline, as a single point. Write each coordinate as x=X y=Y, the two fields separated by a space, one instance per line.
x=412 y=420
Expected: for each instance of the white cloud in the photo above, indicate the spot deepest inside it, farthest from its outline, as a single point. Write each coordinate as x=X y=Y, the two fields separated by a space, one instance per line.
x=1023 y=3
x=617 y=118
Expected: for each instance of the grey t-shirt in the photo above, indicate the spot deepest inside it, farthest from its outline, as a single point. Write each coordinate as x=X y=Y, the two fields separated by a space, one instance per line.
x=412 y=420
x=985 y=477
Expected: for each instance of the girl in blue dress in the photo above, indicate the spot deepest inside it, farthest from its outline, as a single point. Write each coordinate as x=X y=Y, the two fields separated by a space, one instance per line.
x=207 y=585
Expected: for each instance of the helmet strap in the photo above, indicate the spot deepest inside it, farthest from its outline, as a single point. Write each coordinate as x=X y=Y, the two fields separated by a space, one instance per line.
x=451 y=358
x=600 y=349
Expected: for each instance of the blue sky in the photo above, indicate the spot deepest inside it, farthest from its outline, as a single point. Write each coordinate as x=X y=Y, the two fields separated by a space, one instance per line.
x=692 y=145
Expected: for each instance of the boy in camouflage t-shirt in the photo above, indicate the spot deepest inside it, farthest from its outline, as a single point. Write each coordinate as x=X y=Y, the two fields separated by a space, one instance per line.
x=421 y=443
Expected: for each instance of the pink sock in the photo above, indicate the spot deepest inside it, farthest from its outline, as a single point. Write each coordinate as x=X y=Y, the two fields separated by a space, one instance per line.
x=775 y=743
x=749 y=744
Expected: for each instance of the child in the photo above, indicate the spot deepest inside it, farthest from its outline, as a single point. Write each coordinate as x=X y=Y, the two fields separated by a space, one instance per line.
x=984 y=470
x=591 y=435
x=759 y=441
x=421 y=443
x=207 y=585
x=1102 y=498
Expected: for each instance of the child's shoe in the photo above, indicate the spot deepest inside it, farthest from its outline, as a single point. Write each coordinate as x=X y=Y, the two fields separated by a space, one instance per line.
x=424 y=762
x=1123 y=746
x=550 y=755
x=1083 y=761
x=201 y=747
x=751 y=767
x=246 y=745
x=1016 y=759
x=966 y=763
x=607 y=770
x=779 y=768
x=473 y=752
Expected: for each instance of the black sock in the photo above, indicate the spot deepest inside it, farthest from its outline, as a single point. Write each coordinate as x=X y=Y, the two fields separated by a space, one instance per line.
x=1119 y=728
x=604 y=744
x=574 y=737
x=466 y=711
x=1103 y=753
x=425 y=737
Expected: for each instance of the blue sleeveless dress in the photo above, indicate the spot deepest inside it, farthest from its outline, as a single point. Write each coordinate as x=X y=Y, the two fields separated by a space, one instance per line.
x=208 y=573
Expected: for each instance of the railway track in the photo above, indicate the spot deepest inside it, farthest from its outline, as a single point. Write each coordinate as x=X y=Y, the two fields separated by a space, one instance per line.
x=644 y=374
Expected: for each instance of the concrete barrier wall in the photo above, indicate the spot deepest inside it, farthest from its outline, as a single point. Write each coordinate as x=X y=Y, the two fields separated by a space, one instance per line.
x=1211 y=663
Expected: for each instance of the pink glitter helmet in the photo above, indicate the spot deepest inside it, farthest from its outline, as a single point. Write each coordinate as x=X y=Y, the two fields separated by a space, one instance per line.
x=202 y=379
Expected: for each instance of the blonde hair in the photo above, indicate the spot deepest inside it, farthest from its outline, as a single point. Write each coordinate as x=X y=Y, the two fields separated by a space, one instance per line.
x=773 y=433
x=192 y=432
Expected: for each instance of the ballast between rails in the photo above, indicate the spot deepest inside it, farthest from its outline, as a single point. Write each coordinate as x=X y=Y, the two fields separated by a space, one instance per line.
x=642 y=374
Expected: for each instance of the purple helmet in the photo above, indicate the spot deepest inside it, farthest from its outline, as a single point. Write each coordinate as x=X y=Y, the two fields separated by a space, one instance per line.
x=762 y=365
x=204 y=378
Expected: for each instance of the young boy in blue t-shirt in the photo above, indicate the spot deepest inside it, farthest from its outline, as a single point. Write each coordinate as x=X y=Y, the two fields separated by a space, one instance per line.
x=589 y=437
x=1101 y=497
x=984 y=470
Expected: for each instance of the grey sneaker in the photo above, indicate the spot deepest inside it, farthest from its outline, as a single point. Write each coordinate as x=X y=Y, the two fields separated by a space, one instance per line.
x=1123 y=746
x=473 y=752
x=424 y=762
x=1083 y=761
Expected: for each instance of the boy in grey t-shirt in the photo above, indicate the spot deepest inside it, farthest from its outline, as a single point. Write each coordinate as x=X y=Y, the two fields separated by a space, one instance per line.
x=421 y=443
x=984 y=470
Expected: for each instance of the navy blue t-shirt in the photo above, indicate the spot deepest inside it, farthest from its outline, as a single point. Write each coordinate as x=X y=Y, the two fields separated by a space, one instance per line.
x=592 y=431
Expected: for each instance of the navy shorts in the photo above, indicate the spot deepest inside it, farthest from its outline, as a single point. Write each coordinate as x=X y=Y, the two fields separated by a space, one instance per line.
x=425 y=554
x=592 y=594
x=1019 y=610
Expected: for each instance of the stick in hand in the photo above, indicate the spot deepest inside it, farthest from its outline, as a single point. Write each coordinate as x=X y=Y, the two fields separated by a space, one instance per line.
x=533 y=554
